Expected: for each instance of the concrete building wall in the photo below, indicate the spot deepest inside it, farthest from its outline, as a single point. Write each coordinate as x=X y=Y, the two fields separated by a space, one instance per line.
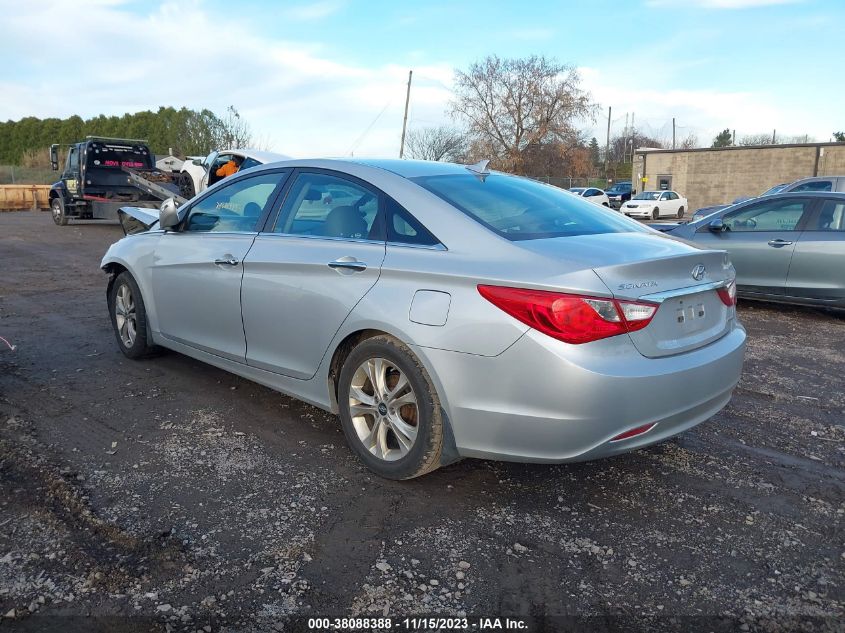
x=716 y=176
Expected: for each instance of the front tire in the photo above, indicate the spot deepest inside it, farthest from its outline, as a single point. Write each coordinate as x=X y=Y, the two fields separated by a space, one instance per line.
x=57 y=210
x=655 y=214
x=680 y=213
x=186 y=186
x=129 y=317
x=389 y=409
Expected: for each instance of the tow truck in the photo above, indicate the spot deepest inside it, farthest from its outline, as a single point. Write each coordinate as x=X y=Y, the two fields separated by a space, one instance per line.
x=103 y=174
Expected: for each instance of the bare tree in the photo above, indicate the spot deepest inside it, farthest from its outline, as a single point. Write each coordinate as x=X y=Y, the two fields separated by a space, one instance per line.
x=690 y=142
x=512 y=104
x=436 y=143
x=233 y=131
x=755 y=139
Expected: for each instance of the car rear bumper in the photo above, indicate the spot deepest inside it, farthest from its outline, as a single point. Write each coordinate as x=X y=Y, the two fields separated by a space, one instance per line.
x=542 y=400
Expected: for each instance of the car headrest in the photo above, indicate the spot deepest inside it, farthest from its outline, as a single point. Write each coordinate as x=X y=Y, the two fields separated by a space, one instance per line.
x=345 y=221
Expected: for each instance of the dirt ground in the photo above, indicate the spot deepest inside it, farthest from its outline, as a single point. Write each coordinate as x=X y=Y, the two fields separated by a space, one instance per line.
x=166 y=494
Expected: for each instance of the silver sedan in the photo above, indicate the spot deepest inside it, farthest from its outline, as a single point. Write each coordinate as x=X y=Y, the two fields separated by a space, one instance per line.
x=442 y=311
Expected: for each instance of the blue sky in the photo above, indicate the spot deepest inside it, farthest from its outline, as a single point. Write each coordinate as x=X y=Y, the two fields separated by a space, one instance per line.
x=328 y=77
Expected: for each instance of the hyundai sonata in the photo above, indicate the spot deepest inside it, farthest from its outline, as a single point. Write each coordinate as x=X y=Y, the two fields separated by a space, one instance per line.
x=442 y=311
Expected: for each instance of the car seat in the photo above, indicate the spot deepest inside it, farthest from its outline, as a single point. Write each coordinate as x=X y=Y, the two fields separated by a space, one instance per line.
x=345 y=221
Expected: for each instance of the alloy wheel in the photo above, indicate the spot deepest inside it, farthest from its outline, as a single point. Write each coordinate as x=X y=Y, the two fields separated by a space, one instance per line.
x=124 y=315
x=383 y=408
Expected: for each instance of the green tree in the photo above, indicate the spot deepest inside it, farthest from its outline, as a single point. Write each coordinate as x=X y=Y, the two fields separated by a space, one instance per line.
x=723 y=139
x=595 y=153
x=839 y=137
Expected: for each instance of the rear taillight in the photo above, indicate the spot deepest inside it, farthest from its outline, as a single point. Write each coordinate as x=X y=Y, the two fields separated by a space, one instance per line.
x=570 y=318
x=728 y=294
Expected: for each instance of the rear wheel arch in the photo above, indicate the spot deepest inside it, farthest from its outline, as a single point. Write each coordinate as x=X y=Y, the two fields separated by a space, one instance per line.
x=449 y=452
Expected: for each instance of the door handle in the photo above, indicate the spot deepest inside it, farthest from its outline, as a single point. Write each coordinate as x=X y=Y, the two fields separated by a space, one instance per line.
x=226 y=260
x=348 y=263
x=779 y=242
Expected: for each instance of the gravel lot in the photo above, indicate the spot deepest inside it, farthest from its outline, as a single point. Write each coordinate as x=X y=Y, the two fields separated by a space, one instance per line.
x=169 y=494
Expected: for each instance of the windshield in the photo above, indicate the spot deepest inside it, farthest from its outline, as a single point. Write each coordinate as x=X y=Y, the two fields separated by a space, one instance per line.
x=775 y=189
x=521 y=209
x=647 y=195
x=619 y=189
x=117 y=156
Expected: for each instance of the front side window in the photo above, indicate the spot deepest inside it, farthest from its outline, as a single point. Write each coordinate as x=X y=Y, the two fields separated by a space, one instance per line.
x=235 y=207
x=778 y=215
x=831 y=218
x=324 y=205
x=73 y=159
x=815 y=185
x=522 y=209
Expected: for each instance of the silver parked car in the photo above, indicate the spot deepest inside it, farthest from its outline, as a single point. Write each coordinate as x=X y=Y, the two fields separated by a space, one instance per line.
x=442 y=311
x=787 y=247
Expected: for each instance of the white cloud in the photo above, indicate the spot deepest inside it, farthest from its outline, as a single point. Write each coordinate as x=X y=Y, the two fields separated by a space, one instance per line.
x=181 y=54
x=704 y=112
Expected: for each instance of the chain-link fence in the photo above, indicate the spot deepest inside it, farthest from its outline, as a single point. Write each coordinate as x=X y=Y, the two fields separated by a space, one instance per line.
x=14 y=175
x=566 y=182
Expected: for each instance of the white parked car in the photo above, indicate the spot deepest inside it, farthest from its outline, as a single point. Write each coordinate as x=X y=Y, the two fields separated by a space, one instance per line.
x=199 y=174
x=594 y=195
x=656 y=204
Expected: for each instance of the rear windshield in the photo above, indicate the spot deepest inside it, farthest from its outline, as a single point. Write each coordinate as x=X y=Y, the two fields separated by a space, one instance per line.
x=117 y=156
x=522 y=209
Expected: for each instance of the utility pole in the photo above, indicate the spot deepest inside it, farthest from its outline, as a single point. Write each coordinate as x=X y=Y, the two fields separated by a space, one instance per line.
x=607 y=145
x=773 y=136
x=733 y=138
x=673 y=132
x=405 y=119
x=633 y=135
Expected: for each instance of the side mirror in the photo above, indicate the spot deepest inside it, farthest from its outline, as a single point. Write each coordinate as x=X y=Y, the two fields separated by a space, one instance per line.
x=197 y=162
x=168 y=215
x=54 y=157
x=717 y=226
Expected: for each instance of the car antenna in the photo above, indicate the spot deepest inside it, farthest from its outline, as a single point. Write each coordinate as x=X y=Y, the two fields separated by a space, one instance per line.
x=480 y=168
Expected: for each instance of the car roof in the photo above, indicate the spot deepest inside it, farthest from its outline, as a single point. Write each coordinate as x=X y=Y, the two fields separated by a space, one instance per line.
x=412 y=168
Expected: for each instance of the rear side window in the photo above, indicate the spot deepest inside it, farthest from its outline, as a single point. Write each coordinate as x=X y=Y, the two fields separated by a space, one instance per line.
x=323 y=205
x=815 y=185
x=521 y=209
x=831 y=218
x=403 y=228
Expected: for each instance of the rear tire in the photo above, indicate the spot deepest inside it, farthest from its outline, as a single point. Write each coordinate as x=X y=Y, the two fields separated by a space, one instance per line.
x=186 y=186
x=680 y=213
x=655 y=214
x=129 y=317
x=57 y=210
x=397 y=428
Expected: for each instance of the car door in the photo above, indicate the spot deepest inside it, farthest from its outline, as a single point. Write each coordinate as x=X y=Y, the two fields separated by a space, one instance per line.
x=664 y=203
x=71 y=175
x=818 y=265
x=760 y=238
x=306 y=272
x=197 y=270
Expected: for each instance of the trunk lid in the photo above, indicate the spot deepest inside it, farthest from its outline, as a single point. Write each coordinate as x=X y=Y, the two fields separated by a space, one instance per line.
x=659 y=269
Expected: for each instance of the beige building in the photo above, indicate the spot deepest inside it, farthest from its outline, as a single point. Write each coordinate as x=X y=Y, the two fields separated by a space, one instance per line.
x=710 y=176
